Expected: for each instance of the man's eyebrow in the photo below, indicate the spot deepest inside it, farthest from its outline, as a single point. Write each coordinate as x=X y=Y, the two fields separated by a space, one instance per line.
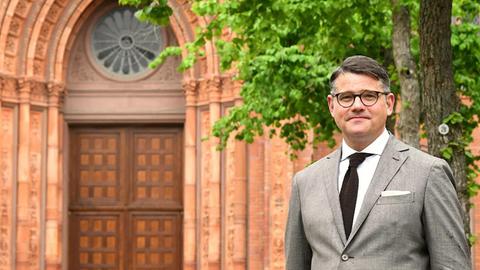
x=352 y=91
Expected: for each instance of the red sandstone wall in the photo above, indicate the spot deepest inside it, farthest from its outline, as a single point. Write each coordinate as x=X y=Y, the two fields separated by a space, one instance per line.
x=235 y=202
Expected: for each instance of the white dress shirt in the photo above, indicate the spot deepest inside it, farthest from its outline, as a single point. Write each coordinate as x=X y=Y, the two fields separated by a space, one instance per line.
x=365 y=170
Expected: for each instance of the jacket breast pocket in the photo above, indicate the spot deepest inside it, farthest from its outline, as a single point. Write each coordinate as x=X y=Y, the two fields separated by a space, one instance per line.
x=398 y=199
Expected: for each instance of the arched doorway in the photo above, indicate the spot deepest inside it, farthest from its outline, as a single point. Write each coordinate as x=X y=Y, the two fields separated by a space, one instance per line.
x=125 y=207
x=125 y=143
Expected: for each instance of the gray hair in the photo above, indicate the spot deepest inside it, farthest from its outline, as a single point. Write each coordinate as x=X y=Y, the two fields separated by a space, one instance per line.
x=364 y=65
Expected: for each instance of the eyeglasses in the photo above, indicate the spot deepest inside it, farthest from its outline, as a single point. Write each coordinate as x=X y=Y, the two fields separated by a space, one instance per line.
x=367 y=97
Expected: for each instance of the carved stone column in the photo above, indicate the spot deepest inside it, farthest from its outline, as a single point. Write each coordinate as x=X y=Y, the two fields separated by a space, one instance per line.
x=204 y=162
x=63 y=213
x=214 y=249
x=52 y=249
x=280 y=171
x=235 y=201
x=257 y=205
x=189 y=196
x=23 y=252
x=5 y=191
x=2 y=84
x=240 y=202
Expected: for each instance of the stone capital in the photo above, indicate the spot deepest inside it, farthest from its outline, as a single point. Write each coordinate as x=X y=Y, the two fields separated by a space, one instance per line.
x=55 y=88
x=24 y=89
x=214 y=85
x=2 y=85
x=55 y=93
x=189 y=87
x=190 y=91
x=3 y=78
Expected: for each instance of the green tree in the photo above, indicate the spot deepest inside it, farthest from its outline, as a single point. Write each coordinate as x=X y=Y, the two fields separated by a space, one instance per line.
x=439 y=89
x=406 y=66
x=284 y=50
x=448 y=76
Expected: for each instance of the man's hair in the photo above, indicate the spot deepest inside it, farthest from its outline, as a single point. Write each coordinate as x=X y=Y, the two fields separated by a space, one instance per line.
x=364 y=65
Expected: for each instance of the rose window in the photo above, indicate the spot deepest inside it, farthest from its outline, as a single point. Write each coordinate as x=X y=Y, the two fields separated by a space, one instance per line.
x=123 y=45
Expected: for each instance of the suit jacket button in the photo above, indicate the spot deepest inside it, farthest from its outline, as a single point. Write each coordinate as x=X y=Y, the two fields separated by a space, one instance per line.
x=345 y=257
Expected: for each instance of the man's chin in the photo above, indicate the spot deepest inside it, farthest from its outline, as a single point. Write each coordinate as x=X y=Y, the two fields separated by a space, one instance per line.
x=356 y=134
x=357 y=131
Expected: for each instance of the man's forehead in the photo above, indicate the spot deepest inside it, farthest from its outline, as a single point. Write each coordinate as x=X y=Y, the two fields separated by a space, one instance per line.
x=360 y=91
x=356 y=82
x=355 y=75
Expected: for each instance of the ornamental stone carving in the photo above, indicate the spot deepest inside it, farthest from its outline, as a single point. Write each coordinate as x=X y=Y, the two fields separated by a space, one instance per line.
x=54 y=12
x=15 y=25
x=22 y=8
x=280 y=174
x=35 y=186
x=41 y=49
x=230 y=189
x=9 y=60
x=39 y=92
x=124 y=46
x=38 y=67
x=45 y=30
x=6 y=184
x=202 y=92
x=11 y=44
x=190 y=92
x=9 y=88
x=205 y=189
x=168 y=71
x=55 y=91
x=80 y=70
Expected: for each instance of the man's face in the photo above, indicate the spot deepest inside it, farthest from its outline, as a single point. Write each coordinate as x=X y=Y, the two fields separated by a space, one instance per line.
x=360 y=124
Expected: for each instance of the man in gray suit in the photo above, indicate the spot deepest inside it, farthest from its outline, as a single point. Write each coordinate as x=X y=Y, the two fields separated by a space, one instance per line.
x=374 y=203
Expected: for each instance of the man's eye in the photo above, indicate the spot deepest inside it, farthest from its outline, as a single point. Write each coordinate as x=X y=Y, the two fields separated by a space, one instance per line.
x=345 y=97
x=369 y=96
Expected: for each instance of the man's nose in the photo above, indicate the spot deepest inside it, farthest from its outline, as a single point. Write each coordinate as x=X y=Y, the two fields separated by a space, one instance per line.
x=357 y=103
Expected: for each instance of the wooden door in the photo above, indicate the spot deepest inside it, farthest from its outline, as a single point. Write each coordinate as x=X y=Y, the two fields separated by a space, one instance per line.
x=125 y=199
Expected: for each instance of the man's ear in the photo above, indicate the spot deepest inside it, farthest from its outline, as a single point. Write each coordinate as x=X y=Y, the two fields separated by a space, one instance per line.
x=330 y=103
x=390 y=100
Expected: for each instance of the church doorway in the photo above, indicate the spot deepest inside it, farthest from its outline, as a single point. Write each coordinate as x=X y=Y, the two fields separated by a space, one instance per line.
x=125 y=190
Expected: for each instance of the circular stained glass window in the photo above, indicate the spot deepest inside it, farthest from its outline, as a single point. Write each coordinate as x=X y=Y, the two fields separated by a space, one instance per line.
x=123 y=45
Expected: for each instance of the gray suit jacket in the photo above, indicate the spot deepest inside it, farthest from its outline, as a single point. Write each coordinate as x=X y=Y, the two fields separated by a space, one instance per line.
x=417 y=231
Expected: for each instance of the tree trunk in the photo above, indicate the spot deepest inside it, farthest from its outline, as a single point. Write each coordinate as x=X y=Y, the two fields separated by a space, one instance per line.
x=409 y=122
x=440 y=98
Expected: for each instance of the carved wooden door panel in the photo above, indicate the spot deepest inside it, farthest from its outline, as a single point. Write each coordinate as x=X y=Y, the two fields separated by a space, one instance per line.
x=125 y=209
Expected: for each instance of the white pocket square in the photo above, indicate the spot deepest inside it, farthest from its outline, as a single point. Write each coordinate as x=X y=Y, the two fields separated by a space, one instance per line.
x=388 y=193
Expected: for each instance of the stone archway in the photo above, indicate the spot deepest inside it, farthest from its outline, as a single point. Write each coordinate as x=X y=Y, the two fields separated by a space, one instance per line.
x=234 y=201
x=36 y=41
x=125 y=186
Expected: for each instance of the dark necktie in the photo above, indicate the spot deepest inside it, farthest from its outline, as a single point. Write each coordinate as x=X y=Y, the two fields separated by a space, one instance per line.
x=348 y=193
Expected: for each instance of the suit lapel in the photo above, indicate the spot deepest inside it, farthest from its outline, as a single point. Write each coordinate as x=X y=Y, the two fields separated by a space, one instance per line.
x=331 y=186
x=390 y=162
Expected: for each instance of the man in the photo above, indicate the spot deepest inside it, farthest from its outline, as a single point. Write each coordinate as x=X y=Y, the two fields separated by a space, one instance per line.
x=392 y=207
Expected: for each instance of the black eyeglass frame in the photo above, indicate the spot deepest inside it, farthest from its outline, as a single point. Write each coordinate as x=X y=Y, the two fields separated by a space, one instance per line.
x=377 y=93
